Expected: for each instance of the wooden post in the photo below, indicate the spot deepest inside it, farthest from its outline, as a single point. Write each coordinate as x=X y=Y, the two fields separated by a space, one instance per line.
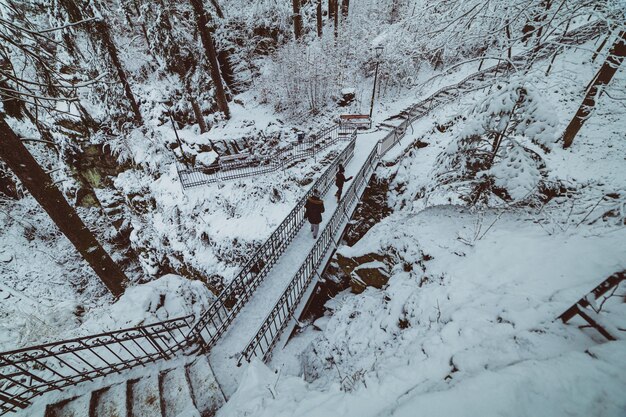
x=297 y=19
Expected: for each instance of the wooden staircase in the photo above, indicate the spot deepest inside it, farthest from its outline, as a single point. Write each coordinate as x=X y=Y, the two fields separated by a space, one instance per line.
x=187 y=390
x=589 y=307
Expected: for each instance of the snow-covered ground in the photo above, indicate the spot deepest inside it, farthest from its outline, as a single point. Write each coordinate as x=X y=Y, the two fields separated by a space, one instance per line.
x=466 y=324
x=468 y=330
x=50 y=293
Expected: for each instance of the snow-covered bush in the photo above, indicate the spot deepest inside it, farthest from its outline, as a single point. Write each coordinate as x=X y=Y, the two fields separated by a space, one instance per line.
x=498 y=149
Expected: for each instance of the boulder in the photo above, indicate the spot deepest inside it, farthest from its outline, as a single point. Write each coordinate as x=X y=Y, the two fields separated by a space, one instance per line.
x=347 y=97
x=372 y=274
x=370 y=270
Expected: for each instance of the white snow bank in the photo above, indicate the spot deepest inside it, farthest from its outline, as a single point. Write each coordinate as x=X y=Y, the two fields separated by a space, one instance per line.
x=168 y=297
x=206 y=158
x=559 y=386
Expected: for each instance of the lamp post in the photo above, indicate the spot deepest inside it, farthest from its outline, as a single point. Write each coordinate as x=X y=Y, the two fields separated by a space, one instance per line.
x=379 y=51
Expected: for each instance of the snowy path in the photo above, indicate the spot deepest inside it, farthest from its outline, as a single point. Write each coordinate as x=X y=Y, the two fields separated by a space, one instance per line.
x=225 y=354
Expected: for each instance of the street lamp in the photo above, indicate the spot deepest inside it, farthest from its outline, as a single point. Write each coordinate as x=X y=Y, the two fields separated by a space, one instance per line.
x=378 y=51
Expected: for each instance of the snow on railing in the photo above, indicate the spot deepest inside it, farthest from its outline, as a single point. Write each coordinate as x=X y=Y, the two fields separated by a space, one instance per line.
x=269 y=332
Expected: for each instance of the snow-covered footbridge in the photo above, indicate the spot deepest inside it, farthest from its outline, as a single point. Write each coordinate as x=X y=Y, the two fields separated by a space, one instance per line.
x=247 y=319
x=129 y=371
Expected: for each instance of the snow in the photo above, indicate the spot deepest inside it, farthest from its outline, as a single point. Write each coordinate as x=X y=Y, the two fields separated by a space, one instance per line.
x=168 y=297
x=207 y=158
x=480 y=294
x=486 y=309
x=465 y=325
x=45 y=286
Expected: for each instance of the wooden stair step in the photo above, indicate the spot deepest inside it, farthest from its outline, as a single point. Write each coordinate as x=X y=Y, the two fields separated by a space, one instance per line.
x=175 y=392
x=145 y=399
x=109 y=402
x=206 y=392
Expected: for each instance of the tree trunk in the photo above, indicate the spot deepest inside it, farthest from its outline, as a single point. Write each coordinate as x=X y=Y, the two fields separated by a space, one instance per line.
x=144 y=30
x=40 y=185
x=336 y=16
x=394 y=15
x=600 y=48
x=297 y=19
x=602 y=78
x=72 y=9
x=209 y=48
x=319 y=18
x=102 y=30
x=228 y=74
x=331 y=9
x=508 y=41
x=218 y=9
x=12 y=106
x=198 y=113
x=223 y=56
x=345 y=6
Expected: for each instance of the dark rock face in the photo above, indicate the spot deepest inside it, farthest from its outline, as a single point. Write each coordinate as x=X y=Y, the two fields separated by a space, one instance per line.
x=369 y=275
x=372 y=209
x=371 y=270
x=93 y=168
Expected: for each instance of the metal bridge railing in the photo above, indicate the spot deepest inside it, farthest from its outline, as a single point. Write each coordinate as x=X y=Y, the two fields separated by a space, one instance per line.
x=196 y=176
x=30 y=372
x=275 y=322
x=262 y=343
x=222 y=312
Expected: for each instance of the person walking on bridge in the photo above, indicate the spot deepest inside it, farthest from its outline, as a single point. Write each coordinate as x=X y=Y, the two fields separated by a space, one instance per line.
x=314 y=207
x=340 y=179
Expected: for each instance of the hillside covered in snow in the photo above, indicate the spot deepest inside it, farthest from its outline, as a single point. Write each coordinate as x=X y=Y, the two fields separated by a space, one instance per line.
x=157 y=164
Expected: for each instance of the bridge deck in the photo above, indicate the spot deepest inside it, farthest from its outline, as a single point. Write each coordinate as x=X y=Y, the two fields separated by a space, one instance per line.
x=225 y=354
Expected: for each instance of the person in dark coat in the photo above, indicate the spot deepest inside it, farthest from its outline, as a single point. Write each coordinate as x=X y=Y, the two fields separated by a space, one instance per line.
x=314 y=207
x=340 y=179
